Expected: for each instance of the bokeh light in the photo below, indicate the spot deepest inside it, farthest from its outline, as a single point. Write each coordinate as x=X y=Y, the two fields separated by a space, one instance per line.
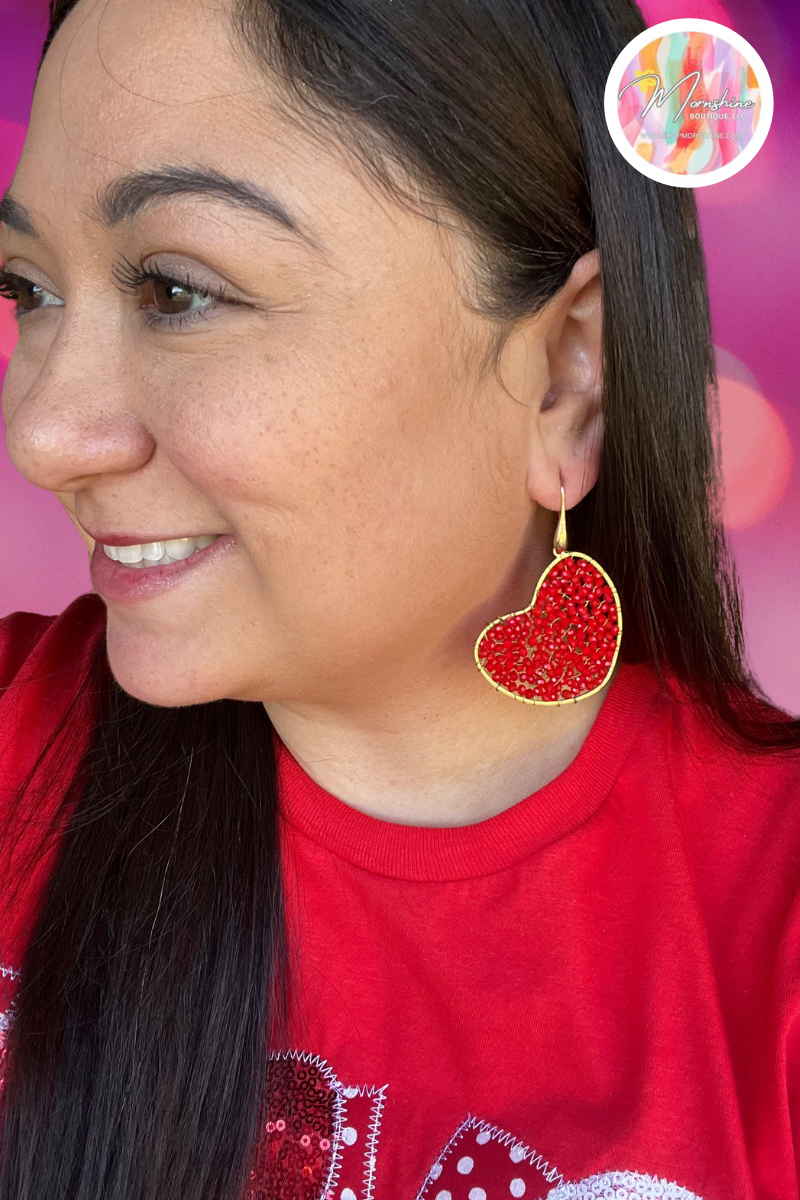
x=756 y=454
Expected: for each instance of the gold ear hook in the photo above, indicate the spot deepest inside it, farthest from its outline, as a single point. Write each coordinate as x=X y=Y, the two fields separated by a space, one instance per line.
x=560 y=540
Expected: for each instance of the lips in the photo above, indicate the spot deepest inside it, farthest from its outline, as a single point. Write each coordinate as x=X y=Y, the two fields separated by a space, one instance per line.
x=120 y=583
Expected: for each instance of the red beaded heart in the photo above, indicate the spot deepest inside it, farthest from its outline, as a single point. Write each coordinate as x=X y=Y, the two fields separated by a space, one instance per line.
x=564 y=645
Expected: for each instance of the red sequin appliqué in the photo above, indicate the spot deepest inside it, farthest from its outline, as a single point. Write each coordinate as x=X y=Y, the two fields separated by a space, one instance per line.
x=295 y=1151
x=564 y=644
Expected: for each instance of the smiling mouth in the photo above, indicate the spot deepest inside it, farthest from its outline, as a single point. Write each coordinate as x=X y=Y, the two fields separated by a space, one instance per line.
x=159 y=554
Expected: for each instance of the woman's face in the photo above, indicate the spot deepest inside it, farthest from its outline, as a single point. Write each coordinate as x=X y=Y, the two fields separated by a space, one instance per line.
x=305 y=383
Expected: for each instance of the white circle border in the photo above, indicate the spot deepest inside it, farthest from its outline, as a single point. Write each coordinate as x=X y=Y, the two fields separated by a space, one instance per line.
x=687 y=25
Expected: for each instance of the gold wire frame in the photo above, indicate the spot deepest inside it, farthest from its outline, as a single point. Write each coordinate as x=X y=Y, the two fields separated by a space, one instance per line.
x=519 y=612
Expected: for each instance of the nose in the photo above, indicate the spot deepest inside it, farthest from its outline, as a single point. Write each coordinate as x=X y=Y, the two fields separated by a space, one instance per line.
x=72 y=424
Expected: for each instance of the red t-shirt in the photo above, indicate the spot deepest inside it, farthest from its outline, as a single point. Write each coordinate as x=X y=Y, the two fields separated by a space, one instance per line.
x=594 y=993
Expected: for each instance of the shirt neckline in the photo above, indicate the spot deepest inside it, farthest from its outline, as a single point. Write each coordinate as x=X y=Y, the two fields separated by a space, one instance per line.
x=425 y=854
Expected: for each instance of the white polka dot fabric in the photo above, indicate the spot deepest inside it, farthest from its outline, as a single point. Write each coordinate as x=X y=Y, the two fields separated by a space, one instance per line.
x=481 y=1162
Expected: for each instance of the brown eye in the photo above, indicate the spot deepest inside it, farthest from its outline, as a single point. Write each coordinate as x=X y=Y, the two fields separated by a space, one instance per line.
x=173 y=298
x=166 y=301
x=29 y=295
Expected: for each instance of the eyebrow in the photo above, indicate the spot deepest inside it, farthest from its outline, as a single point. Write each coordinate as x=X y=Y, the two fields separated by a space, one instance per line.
x=16 y=217
x=125 y=197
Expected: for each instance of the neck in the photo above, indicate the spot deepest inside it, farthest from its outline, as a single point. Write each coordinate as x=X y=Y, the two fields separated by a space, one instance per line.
x=451 y=753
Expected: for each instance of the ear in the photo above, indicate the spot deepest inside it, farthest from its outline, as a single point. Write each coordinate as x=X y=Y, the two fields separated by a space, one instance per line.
x=567 y=419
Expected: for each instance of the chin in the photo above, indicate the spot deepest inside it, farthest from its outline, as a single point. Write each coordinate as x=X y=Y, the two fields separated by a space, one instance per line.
x=169 y=672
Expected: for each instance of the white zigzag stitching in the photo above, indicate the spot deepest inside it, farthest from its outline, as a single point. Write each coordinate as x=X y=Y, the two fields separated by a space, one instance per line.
x=378 y=1096
x=526 y=1154
x=336 y=1087
x=433 y=1174
x=342 y=1095
x=372 y=1138
x=621 y=1183
x=8 y=972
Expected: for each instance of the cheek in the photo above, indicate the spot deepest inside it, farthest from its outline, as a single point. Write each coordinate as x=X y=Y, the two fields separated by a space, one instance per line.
x=297 y=433
x=245 y=440
x=345 y=452
x=371 y=520
x=362 y=490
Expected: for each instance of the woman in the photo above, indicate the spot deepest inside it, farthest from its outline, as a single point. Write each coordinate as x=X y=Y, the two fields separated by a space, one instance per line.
x=312 y=888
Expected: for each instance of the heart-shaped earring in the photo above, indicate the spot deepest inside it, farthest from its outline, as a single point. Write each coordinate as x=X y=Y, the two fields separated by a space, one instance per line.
x=563 y=647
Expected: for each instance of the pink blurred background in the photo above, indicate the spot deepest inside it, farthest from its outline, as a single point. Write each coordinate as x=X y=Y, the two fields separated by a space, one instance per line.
x=751 y=231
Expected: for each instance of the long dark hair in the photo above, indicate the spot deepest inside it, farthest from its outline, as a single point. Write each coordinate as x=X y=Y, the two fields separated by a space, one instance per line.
x=137 y=1058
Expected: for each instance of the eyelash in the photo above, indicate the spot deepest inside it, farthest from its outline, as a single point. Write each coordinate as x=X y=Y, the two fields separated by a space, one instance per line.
x=133 y=280
x=12 y=284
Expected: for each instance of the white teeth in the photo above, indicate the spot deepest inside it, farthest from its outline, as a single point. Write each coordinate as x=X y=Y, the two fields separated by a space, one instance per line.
x=179 y=548
x=159 y=554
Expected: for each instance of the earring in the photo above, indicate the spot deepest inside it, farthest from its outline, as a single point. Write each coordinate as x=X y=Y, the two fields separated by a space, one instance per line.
x=563 y=647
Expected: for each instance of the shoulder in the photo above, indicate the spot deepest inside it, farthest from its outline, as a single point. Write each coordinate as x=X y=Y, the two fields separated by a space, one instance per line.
x=734 y=811
x=19 y=634
x=706 y=764
x=44 y=662
x=46 y=714
x=34 y=647
x=680 y=749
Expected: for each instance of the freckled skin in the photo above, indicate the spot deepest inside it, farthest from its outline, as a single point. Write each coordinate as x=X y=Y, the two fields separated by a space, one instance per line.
x=388 y=492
